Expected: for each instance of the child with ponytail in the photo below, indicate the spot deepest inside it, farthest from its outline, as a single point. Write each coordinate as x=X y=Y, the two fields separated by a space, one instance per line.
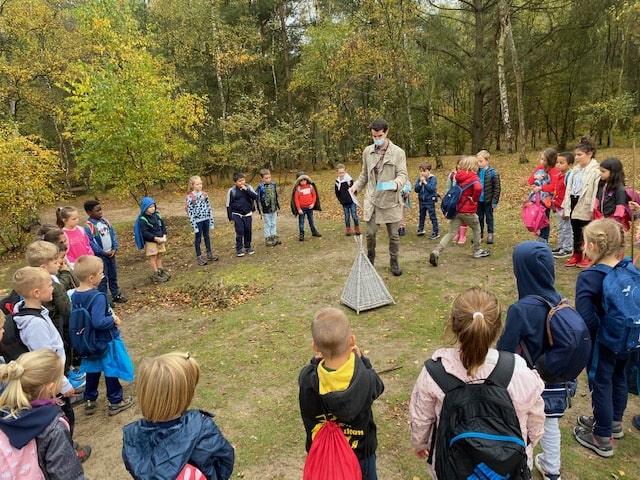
x=475 y=323
x=35 y=441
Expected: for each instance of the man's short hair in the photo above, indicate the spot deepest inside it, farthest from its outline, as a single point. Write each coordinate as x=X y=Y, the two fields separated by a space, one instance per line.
x=331 y=332
x=27 y=278
x=40 y=252
x=87 y=265
x=379 y=125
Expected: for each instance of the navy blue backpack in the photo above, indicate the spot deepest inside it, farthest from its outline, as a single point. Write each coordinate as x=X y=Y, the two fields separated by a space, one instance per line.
x=449 y=204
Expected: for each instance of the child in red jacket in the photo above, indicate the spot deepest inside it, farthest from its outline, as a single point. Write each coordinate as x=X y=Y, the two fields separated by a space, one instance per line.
x=304 y=200
x=467 y=208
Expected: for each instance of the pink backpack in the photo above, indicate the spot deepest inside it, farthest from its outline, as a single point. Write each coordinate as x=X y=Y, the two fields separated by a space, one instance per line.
x=534 y=215
x=20 y=463
x=189 y=472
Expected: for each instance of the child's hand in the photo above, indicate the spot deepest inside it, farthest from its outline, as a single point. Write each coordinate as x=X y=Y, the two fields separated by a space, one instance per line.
x=300 y=212
x=422 y=454
x=69 y=393
x=634 y=206
x=356 y=350
x=116 y=320
x=311 y=206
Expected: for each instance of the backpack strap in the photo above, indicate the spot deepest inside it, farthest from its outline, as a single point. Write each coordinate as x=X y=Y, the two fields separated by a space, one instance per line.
x=444 y=379
x=502 y=373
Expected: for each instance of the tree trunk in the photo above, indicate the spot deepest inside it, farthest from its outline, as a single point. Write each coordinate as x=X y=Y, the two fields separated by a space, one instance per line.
x=216 y=58
x=285 y=52
x=502 y=80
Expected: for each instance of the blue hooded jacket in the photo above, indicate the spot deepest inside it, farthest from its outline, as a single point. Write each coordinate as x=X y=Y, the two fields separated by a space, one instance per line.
x=534 y=269
x=145 y=203
x=159 y=451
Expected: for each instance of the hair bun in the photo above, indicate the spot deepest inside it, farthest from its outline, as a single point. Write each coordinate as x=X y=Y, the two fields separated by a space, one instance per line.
x=11 y=371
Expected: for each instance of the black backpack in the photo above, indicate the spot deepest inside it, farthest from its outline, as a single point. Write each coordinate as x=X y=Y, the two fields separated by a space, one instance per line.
x=478 y=434
x=11 y=346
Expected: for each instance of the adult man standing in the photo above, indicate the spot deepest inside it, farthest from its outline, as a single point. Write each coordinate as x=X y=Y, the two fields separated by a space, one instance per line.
x=384 y=172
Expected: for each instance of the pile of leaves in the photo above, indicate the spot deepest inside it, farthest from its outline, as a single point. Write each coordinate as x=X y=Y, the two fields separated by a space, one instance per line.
x=215 y=296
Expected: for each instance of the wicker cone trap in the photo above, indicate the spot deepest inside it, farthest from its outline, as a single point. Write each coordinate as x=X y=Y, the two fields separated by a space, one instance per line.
x=365 y=289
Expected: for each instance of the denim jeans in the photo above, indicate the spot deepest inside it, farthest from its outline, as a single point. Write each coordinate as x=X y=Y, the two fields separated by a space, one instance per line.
x=110 y=279
x=429 y=208
x=270 y=224
x=306 y=212
x=368 y=467
x=203 y=232
x=485 y=211
x=350 y=211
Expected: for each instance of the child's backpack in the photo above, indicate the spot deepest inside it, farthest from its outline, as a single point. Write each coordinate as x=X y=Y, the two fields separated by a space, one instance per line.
x=620 y=329
x=567 y=343
x=331 y=457
x=11 y=346
x=189 y=472
x=449 y=204
x=82 y=335
x=20 y=463
x=478 y=433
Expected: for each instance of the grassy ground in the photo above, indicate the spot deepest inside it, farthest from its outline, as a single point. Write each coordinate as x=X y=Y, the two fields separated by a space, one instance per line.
x=247 y=321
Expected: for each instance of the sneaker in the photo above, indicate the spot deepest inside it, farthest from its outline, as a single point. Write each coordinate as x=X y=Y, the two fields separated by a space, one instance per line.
x=201 y=261
x=116 y=408
x=212 y=258
x=301 y=237
x=636 y=421
x=82 y=452
x=434 y=235
x=316 y=234
x=587 y=422
x=164 y=274
x=481 y=253
x=250 y=251
x=545 y=475
x=603 y=446
x=433 y=258
x=401 y=232
x=74 y=375
x=489 y=238
x=420 y=233
x=560 y=253
x=157 y=278
x=556 y=250
x=90 y=407
x=77 y=384
x=119 y=299
x=239 y=253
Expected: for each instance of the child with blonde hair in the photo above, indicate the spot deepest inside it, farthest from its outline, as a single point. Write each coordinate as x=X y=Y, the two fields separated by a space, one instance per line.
x=467 y=206
x=171 y=439
x=475 y=323
x=604 y=245
x=77 y=239
x=35 y=441
x=201 y=217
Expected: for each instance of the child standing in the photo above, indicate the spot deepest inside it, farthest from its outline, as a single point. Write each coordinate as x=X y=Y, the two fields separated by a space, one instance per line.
x=461 y=235
x=490 y=196
x=201 y=217
x=604 y=244
x=427 y=189
x=582 y=188
x=150 y=233
x=104 y=243
x=304 y=200
x=475 y=322
x=268 y=206
x=77 y=238
x=115 y=363
x=34 y=435
x=340 y=384
x=467 y=206
x=347 y=200
x=534 y=269
x=565 y=235
x=543 y=182
x=241 y=200
x=170 y=437
x=611 y=198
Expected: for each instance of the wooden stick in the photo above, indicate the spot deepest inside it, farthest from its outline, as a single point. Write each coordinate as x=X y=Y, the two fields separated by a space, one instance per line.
x=390 y=369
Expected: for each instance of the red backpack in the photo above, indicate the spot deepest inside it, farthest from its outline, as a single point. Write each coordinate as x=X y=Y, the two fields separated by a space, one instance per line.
x=331 y=457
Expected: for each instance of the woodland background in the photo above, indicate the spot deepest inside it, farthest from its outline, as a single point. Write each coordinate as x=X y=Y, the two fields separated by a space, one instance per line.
x=125 y=95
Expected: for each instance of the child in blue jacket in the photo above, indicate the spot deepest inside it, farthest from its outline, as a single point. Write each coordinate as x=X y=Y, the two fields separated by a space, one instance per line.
x=427 y=189
x=150 y=233
x=104 y=243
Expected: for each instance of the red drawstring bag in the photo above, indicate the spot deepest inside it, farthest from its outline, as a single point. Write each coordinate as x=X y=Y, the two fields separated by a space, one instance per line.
x=534 y=215
x=189 y=472
x=331 y=457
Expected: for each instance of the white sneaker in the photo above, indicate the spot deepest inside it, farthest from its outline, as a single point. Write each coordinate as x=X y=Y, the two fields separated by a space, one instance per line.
x=481 y=253
x=543 y=472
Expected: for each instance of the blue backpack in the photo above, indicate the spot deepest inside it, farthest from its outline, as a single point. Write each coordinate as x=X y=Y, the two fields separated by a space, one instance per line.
x=478 y=433
x=567 y=343
x=620 y=329
x=83 y=337
x=449 y=204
